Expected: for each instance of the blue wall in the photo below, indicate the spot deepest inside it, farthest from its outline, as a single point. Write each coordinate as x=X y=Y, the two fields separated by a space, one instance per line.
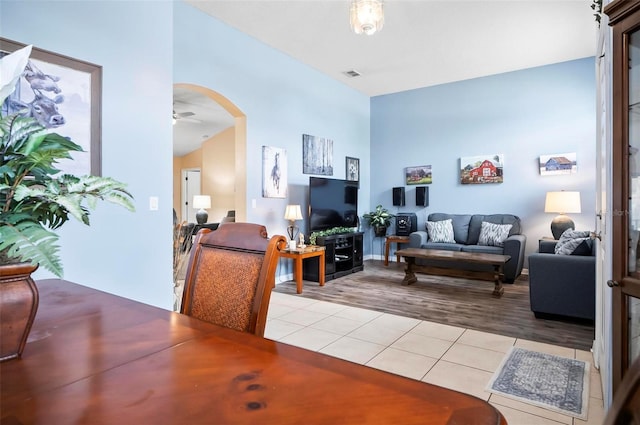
x=122 y=252
x=522 y=114
x=282 y=99
x=144 y=47
x=130 y=254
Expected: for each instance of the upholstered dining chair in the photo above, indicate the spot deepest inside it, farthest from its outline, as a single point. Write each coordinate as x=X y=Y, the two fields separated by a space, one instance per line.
x=230 y=275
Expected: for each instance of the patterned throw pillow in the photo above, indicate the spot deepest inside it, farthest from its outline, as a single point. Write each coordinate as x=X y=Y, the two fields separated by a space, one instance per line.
x=492 y=234
x=440 y=231
x=574 y=242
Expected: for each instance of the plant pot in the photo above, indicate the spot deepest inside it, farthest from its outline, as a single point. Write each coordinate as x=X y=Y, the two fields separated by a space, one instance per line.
x=18 y=306
x=380 y=231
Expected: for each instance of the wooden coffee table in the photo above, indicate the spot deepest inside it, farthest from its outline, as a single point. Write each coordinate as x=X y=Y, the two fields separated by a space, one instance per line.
x=497 y=261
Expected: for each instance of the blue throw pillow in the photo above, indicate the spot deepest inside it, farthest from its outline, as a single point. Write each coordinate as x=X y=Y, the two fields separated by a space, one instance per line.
x=574 y=242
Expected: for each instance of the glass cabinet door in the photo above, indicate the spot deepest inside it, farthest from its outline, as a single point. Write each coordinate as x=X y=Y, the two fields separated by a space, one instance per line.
x=624 y=17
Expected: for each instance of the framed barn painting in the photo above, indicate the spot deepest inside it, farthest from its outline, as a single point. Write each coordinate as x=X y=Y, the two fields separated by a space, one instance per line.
x=558 y=164
x=64 y=95
x=317 y=155
x=274 y=172
x=481 y=169
x=418 y=175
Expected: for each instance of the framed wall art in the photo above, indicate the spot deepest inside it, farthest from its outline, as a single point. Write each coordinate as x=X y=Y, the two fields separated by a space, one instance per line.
x=352 y=170
x=558 y=164
x=418 y=175
x=64 y=95
x=317 y=155
x=481 y=169
x=274 y=172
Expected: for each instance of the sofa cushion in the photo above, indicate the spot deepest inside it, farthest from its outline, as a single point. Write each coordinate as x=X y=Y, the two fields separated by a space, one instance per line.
x=475 y=225
x=493 y=234
x=460 y=224
x=443 y=246
x=574 y=242
x=482 y=249
x=440 y=231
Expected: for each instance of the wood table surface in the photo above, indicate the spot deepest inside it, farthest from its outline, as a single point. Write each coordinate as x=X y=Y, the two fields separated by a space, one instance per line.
x=97 y=358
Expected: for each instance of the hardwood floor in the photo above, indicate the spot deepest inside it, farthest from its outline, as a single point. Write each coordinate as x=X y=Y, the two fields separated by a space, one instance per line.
x=453 y=301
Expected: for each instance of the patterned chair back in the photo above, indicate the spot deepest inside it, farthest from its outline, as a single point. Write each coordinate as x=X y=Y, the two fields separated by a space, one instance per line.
x=230 y=275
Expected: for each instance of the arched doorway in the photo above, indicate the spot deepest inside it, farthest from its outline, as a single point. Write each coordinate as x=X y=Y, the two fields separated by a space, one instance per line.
x=225 y=182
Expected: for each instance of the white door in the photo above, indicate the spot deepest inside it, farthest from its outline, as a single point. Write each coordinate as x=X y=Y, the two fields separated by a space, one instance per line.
x=190 y=188
x=601 y=345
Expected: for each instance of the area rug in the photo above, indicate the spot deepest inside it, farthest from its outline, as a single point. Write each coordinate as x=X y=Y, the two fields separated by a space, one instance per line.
x=552 y=382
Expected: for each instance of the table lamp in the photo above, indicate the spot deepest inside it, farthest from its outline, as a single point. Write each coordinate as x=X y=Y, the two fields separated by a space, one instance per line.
x=561 y=203
x=292 y=213
x=201 y=203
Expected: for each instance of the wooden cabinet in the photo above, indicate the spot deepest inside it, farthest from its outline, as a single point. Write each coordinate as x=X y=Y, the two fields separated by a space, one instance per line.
x=624 y=16
x=343 y=256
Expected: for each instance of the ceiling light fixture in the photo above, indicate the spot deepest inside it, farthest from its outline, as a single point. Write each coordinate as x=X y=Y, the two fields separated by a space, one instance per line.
x=367 y=16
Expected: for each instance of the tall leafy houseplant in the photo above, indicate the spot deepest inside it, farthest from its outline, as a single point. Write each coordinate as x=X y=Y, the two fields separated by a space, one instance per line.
x=379 y=219
x=36 y=198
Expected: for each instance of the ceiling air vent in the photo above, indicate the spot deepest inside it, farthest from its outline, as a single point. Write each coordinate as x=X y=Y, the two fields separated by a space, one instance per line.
x=352 y=73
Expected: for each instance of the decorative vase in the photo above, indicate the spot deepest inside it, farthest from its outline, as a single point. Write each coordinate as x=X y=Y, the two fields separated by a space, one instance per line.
x=18 y=306
x=380 y=231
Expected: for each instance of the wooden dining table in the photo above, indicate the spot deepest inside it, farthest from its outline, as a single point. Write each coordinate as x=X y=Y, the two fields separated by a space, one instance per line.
x=97 y=358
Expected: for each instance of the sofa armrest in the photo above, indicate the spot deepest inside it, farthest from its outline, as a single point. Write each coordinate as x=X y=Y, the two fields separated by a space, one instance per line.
x=514 y=246
x=417 y=239
x=562 y=284
x=547 y=246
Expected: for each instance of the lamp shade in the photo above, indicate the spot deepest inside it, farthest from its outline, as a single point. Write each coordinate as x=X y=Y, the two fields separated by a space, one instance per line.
x=292 y=213
x=562 y=202
x=367 y=16
x=202 y=201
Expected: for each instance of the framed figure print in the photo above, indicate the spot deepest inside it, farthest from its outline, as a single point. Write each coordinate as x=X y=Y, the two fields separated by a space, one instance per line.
x=274 y=172
x=64 y=95
x=352 y=169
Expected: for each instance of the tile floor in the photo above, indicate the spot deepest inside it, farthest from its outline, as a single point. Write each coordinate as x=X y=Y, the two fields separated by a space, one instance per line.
x=457 y=358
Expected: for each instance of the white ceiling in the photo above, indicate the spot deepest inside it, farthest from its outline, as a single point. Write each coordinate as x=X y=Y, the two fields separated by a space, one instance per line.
x=423 y=42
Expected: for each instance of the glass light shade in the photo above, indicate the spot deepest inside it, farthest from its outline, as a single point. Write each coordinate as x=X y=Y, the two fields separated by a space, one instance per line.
x=367 y=16
x=201 y=201
x=562 y=202
x=292 y=213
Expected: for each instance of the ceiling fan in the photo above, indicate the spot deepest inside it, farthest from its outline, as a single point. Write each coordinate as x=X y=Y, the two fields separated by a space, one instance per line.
x=183 y=116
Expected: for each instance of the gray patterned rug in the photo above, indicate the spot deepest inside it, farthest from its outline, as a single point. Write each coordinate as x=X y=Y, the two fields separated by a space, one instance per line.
x=553 y=382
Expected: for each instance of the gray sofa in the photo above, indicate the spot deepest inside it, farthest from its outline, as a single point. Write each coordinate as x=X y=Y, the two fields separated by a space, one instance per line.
x=562 y=285
x=466 y=230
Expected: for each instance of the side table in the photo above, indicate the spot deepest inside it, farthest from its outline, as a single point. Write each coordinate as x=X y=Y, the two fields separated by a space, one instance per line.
x=388 y=241
x=300 y=254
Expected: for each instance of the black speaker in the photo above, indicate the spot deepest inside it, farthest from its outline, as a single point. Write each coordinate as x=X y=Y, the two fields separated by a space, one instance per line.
x=406 y=223
x=422 y=196
x=398 y=196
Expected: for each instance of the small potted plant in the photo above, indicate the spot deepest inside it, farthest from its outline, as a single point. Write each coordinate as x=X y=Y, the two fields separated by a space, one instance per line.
x=379 y=219
x=36 y=198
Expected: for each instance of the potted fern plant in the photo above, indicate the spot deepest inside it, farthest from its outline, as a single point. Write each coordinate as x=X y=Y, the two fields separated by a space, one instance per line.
x=379 y=219
x=36 y=198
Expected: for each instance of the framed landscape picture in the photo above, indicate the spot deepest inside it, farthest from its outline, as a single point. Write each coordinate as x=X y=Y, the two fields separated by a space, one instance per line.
x=64 y=95
x=317 y=155
x=481 y=169
x=420 y=174
x=558 y=164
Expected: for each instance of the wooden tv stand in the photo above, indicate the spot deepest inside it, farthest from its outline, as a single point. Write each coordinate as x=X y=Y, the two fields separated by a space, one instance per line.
x=343 y=256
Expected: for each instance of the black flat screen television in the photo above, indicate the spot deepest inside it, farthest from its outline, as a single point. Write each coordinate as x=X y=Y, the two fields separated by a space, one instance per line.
x=332 y=203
